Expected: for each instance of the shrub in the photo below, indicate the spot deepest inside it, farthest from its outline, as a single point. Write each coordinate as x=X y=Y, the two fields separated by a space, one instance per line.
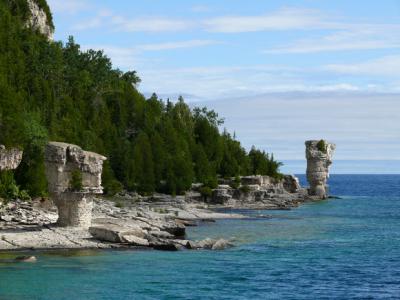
x=8 y=187
x=76 y=181
x=9 y=190
x=24 y=196
x=244 y=189
x=113 y=187
x=206 y=192
x=235 y=184
x=322 y=146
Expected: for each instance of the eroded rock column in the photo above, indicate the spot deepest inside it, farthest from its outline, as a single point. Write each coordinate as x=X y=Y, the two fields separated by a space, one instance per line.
x=74 y=177
x=319 y=158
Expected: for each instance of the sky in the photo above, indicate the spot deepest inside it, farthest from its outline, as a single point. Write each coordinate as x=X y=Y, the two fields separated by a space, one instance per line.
x=279 y=72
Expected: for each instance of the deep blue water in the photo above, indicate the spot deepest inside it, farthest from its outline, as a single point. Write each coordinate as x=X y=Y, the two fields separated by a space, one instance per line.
x=346 y=248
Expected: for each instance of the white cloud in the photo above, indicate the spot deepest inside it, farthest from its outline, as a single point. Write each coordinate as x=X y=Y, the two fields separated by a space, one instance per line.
x=280 y=123
x=284 y=19
x=348 y=37
x=176 y=45
x=107 y=19
x=225 y=82
x=384 y=66
x=69 y=7
x=150 y=24
x=129 y=58
x=122 y=57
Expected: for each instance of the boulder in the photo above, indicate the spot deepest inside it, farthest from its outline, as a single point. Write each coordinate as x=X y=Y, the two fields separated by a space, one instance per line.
x=221 y=244
x=206 y=243
x=134 y=240
x=117 y=234
x=212 y=244
x=161 y=234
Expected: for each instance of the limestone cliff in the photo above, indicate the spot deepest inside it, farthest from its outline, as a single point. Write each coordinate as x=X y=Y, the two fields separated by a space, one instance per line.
x=39 y=20
x=9 y=159
x=319 y=158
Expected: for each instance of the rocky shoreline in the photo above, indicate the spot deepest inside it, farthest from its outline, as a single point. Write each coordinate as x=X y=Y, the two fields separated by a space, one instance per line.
x=32 y=226
x=128 y=221
x=82 y=219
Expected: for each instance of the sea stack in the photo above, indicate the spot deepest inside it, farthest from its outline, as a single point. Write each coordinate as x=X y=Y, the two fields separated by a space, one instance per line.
x=319 y=158
x=74 y=177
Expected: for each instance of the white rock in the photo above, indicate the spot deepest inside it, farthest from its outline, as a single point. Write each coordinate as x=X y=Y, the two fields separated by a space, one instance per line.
x=318 y=163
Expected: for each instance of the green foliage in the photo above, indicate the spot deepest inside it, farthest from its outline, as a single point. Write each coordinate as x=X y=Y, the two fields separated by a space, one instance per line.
x=20 y=8
x=205 y=192
x=8 y=186
x=322 y=146
x=76 y=181
x=245 y=189
x=9 y=189
x=110 y=184
x=262 y=163
x=235 y=184
x=56 y=91
x=31 y=172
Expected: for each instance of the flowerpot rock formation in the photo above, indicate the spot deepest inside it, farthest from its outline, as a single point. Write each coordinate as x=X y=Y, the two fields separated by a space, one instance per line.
x=63 y=161
x=319 y=158
x=9 y=158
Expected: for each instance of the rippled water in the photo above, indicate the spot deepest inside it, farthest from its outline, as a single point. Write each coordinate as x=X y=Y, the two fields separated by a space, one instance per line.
x=342 y=249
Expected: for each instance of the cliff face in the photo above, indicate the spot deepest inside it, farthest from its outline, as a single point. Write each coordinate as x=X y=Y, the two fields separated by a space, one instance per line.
x=319 y=158
x=9 y=159
x=38 y=20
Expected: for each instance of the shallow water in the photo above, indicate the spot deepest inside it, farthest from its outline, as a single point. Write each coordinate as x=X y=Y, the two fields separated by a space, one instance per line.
x=342 y=249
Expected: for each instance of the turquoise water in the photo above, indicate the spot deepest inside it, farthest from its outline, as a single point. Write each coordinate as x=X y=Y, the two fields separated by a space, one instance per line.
x=347 y=248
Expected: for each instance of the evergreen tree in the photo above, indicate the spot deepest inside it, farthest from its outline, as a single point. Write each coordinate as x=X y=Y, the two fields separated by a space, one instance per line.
x=52 y=91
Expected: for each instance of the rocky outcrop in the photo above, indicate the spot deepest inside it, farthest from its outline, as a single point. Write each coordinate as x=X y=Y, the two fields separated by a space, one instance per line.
x=9 y=159
x=38 y=20
x=291 y=184
x=63 y=162
x=221 y=195
x=260 y=192
x=30 y=225
x=319 y=158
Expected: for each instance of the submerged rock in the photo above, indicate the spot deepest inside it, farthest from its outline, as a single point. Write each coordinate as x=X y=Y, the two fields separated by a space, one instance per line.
x=30 y=259
x=212 y=244
x=221 y=244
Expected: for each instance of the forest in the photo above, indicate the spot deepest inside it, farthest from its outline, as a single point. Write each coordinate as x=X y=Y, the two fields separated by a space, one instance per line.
x=55 y=91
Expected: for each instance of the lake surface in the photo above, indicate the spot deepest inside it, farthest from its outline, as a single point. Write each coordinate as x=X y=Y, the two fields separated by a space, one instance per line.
x=346 y=248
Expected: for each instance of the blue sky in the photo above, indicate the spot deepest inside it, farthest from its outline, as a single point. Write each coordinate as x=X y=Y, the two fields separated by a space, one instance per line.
x=280 y=72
